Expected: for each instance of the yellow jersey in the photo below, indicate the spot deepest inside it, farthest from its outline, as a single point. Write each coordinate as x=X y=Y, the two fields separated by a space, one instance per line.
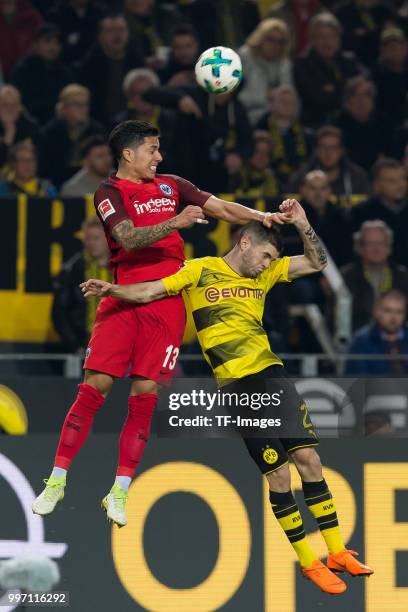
x=227 y=310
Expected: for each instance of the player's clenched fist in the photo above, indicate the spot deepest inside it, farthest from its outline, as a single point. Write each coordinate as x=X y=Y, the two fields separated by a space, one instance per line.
x=189 y=216
x=292 y=212
x=95 y=287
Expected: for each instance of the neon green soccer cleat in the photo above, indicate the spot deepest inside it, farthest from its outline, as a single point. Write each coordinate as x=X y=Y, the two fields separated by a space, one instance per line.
x=114 y=505
x=49 y=498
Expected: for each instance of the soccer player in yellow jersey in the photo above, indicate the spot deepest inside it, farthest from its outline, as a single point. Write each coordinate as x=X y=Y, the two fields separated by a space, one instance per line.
x=227 y=296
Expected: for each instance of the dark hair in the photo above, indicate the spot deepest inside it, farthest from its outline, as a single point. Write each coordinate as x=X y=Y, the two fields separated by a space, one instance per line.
x=110 y=15
x=47 y=30
x=260 y=233
x=93 y=141
x=183 y=29
x=385 y=162
x=22 y=145
x=352 y=85
x=129 y=134
x=378 y=416
x=328 y=130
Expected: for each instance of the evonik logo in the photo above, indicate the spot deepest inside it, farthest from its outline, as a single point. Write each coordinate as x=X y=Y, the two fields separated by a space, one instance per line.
x=213 y=294
x=154 y=205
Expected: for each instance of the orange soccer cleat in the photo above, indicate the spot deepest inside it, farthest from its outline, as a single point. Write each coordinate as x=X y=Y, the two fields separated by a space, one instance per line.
x=324 y=578
x=344 y=561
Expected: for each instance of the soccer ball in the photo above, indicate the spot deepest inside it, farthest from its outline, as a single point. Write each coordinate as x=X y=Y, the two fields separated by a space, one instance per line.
x=219 y=70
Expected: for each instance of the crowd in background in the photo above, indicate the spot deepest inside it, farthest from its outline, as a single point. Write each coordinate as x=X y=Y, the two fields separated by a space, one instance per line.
x=321 y=112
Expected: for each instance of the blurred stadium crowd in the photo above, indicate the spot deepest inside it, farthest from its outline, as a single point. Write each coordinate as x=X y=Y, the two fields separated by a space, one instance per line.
x=322 y=113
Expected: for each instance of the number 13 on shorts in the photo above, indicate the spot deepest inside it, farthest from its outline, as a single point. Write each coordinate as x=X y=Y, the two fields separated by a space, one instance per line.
x=172 y=352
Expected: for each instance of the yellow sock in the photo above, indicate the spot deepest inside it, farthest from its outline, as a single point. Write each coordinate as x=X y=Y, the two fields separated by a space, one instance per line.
x=320 y=502
x=288 y=516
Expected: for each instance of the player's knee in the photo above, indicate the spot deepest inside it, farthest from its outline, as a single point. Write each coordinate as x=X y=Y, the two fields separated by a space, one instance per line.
x=141 y=386
x=308 y=463
x=99 y=381
x=279 y=480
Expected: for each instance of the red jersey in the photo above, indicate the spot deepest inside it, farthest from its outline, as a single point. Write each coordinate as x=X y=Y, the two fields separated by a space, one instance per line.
x=146 y=203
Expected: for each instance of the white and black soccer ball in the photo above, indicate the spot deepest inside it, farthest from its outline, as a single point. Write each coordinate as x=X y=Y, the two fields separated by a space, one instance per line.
x=219 y=70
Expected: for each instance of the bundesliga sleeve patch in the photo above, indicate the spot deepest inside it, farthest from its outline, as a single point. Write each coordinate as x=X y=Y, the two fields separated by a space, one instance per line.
x=106 y=208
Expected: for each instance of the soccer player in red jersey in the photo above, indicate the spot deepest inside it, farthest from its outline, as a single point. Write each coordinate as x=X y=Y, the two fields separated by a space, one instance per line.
x=140 y=213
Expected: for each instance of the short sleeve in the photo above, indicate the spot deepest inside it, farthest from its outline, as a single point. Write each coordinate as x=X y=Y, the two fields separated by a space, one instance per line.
x=278 y=272
x=109 y=206
x=188 y=192
x=186 y=278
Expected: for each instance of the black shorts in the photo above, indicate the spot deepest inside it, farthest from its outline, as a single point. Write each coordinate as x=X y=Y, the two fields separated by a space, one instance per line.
x=270 y=453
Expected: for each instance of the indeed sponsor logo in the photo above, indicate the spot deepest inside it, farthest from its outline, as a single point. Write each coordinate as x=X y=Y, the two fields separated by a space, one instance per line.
x=212 y=294
x=155 y=205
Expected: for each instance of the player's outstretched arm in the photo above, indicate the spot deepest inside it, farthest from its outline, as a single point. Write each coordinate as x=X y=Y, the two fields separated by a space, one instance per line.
x=237 y=213
x=314 y=258
x=140 y=293
x=132 y=238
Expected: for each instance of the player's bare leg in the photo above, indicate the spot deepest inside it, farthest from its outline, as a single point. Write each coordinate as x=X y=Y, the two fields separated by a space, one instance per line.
x=77 y=426
x=287 y=513
x=321 y=504
x=132 y=442
x=100 y=381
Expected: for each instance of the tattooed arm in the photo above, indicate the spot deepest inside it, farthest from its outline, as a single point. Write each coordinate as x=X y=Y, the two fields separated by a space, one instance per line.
x=132 y=238
x=314 y=258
